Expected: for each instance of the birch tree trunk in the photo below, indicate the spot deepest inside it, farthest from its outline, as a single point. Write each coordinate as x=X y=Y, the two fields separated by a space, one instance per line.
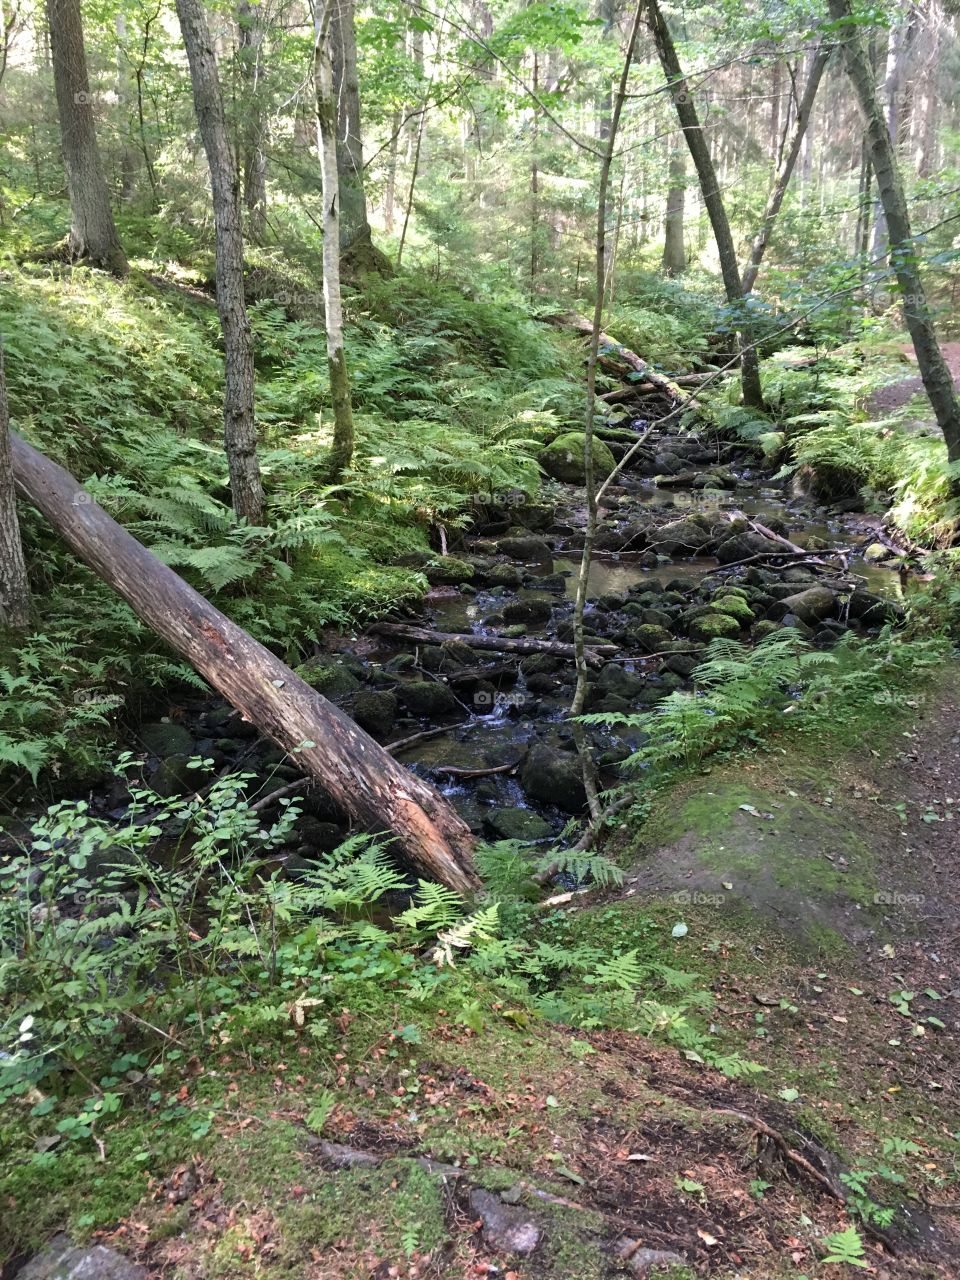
x=360 y=775
x=93 y=234
x=239 y=428
x=341 y=451
x=785 y=169
x=937 y=380
x=14 y=585
x=689 y=119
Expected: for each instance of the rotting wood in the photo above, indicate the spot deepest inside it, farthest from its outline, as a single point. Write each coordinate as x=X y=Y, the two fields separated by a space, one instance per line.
x=360 y=776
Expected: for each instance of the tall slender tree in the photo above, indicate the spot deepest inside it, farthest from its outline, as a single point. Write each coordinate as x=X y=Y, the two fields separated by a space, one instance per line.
x=354 y=224
x=689 y=118
x=903 y=249
x=239 y=427
x=674 y=250
x=341 y=452
x=250 y=29
x=14 y=586
x=93 y=233
x=785 y=168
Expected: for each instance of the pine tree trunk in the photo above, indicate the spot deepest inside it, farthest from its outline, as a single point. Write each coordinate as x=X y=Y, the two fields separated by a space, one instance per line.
x=354 y=226
x=674 y=249
x=937 y=381
x=359 y=775
x=93 y=235
x=785 y=169
x=250 y=30
x=239 y=427
x=710 y=188
x=14 y=585
x=341 y=452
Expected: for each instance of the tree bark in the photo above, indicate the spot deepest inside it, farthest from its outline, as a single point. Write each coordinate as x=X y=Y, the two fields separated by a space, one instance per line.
x=937 y=380
x=250 y=42
x=674 y=251
x=341 y=450
x=700 y=153
x=93 y=234
x=14 y=584
x=239 y=427
x=785 y=169
x=356 y=771
x=354 y=226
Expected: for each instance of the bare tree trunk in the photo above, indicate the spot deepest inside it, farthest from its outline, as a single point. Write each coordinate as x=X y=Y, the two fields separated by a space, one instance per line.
x=390 y=190
x=535 y=185
x=239 y=427
x=899 y=42
x=785 y=169
x=674 y=249
x=776 y=91
x=341 y=452
x=937 y=381
x=250 y=42
x=359 y=774
x=128 y=153
x=700 y=152
x=14 y=585
x=93 y=235
x=354 y=226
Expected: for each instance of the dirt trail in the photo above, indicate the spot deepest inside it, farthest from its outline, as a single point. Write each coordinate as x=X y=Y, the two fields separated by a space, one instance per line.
x=896 y=393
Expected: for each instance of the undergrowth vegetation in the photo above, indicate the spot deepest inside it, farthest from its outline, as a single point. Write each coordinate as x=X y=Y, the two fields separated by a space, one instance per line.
x=126 y=945
x=121 y=382
x=742 y=693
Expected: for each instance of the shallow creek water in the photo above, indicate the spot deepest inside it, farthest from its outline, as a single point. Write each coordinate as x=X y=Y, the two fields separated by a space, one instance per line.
x=503 y=733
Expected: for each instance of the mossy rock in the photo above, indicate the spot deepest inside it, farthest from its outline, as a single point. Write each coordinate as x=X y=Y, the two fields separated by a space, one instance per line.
x=651 y=638
x=714 y=626
x=734 y=607
x=563 y=459
x=449 y=571
x=517 y=824
x=332 y=679
x=427 y=698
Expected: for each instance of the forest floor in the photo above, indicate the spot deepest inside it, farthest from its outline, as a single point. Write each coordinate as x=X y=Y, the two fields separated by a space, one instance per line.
x=450 y=1155
x=815 y=877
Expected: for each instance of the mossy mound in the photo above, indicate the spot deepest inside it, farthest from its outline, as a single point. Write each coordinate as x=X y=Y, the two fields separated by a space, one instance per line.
x=563 y=459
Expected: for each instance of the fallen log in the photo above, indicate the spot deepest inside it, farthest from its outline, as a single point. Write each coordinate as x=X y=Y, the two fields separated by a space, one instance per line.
x=637 y=390
x=597 y=654
x=359 y=775
x=630 y=358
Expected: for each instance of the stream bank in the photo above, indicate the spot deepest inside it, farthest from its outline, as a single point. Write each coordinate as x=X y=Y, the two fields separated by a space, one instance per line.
x=680 y=561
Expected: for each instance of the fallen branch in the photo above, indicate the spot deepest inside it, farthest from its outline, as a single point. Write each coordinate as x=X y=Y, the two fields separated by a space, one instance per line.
x=596 y=657
x=454 y=771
